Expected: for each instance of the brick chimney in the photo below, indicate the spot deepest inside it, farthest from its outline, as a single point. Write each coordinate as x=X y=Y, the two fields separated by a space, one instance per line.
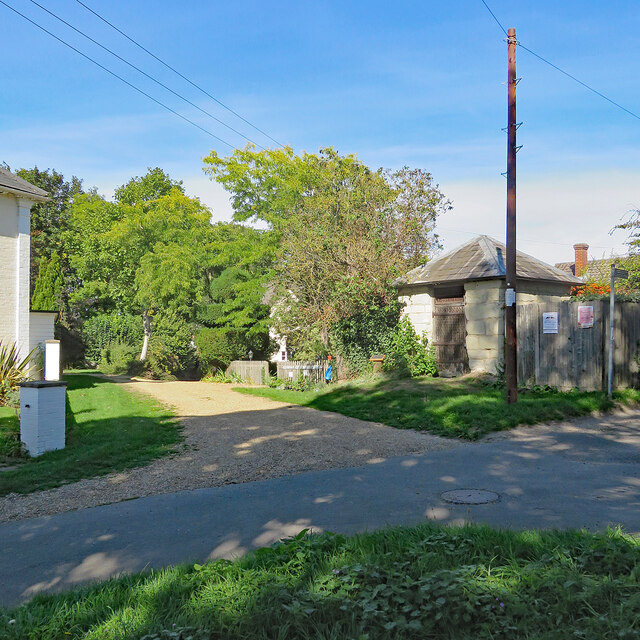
x=581 y=258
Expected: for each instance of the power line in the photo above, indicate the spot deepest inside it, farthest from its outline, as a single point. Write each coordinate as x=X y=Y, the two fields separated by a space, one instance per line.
x=115 y=75
x=144 y=73
x=494 y=17
x=168 y=66
x=586 y=86
x=566 y=73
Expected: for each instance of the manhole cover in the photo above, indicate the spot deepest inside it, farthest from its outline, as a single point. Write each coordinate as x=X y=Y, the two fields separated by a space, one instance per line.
x=470 y=496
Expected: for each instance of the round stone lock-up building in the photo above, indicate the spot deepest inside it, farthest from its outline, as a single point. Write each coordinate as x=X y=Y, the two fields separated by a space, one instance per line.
x=458 y=299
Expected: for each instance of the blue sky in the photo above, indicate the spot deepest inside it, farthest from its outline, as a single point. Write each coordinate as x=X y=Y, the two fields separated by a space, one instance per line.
x=396 y=83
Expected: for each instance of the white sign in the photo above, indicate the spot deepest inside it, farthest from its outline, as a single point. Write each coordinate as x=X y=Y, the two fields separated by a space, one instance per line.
x=509 y=297
x=585 y=317
x=550 y=322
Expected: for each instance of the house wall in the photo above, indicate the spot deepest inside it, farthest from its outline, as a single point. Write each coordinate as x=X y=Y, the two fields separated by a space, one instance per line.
x=15 y=264
x=539 y=292
x=418 y=307
x=23 y=280
x=281 y=343
x=8 y=267
x=484 y=315
x=484 y=312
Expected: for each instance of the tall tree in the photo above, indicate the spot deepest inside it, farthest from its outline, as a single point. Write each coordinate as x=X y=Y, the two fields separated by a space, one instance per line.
x=139 y=258
x=338 y=231
x=47 y=292
x=239 y=272
x=49 y=219
x=151 y=186
x=632 y=262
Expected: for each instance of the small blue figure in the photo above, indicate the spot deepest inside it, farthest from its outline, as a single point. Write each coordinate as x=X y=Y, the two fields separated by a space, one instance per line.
x=327 y=375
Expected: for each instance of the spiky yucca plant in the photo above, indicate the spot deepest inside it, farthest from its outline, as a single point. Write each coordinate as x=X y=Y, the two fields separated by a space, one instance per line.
x=12 y=370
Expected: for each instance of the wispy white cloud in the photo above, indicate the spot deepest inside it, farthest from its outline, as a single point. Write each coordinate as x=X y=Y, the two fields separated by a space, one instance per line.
x=553 y=212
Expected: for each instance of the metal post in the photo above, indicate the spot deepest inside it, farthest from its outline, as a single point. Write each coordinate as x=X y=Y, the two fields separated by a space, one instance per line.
x=612 y=304
x=511 y=343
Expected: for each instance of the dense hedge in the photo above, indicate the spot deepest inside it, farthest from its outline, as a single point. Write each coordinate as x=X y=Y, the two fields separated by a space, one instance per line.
x=381 y=330
x=358 y=337
x=218 y=346
x=106 y=329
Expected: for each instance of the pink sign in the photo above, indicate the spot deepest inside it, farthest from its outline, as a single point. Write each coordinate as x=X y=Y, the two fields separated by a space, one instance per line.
x=585 y=317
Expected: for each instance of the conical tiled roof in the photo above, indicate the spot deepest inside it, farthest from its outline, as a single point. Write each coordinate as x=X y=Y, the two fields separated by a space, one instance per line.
x=479 y=259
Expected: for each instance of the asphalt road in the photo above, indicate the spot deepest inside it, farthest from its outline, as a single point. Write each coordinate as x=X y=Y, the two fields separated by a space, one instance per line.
x=582 y=474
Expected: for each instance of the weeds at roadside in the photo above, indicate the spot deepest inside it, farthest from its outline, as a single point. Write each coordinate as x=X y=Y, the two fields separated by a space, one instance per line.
x=470 y=582
x=220 y=377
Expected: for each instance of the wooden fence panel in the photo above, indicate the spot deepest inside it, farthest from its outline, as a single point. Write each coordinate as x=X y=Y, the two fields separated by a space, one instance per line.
x=575 y=356
x=251 y=371
x=293 y=369
x=626 y=339
x=527 y=328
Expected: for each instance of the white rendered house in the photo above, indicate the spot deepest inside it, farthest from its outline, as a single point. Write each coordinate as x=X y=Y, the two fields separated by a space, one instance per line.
x=28 y=329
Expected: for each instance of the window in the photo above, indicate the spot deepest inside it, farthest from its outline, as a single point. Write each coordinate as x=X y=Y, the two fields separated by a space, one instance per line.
x=284 y=355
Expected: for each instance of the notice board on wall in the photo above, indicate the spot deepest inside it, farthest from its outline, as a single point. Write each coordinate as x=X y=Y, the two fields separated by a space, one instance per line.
x=550 y=322
x=585 y=317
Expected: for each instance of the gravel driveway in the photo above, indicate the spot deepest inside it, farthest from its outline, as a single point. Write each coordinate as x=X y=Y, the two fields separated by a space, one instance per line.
x=232 y=438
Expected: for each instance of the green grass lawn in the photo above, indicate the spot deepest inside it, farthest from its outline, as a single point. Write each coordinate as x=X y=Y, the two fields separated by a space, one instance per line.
x=424 y=582
x=462 y=407
x=108 y=429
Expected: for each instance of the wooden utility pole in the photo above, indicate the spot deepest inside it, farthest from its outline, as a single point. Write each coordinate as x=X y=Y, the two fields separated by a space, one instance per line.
x=511 y=346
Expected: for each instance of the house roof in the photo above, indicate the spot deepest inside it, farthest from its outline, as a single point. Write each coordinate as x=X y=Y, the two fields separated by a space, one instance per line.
x=13 y=184
x=480 y=259
x=597 y=270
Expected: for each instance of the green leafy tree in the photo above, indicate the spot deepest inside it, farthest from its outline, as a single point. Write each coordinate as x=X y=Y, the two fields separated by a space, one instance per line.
x=234 y=306
x=632 y=262
x=151 y=186
x=49 y=221
x=238 y=277
x=338 y=232
x=47 y=292
x=140 y=258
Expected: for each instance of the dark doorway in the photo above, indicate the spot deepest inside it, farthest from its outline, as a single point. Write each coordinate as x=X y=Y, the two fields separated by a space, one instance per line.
x=449 y=336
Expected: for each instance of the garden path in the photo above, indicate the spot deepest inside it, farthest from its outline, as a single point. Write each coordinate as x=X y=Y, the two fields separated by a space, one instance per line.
x=231 y=438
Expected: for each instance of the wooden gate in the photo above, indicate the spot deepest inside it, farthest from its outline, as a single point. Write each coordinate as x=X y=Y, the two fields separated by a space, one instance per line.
x=449 y=336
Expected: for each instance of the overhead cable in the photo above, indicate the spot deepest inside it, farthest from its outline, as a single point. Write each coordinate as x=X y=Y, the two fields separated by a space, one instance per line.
x=168 y=66
x=584 y=84
x=144 y=73
x=115 y=75
x=566 y=73
x=494 y=17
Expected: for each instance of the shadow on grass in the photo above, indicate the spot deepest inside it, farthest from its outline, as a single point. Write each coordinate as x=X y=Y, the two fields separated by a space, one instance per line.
x=454 y=408
x=427 y=581
x=107 y=429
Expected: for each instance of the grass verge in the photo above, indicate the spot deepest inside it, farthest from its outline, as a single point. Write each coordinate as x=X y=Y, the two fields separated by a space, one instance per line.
x=422 y=582
x=461 y=408
x=108 y=429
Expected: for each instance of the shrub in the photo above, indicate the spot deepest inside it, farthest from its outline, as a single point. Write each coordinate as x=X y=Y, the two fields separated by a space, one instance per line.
x=364 y=334
x=220 y=377
x=118 y=358
x=412 y=353
x=107 y=329
x=12 y=371
x=171 y=351
x=301 y=383
x=218 y=346
x=47 y=290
